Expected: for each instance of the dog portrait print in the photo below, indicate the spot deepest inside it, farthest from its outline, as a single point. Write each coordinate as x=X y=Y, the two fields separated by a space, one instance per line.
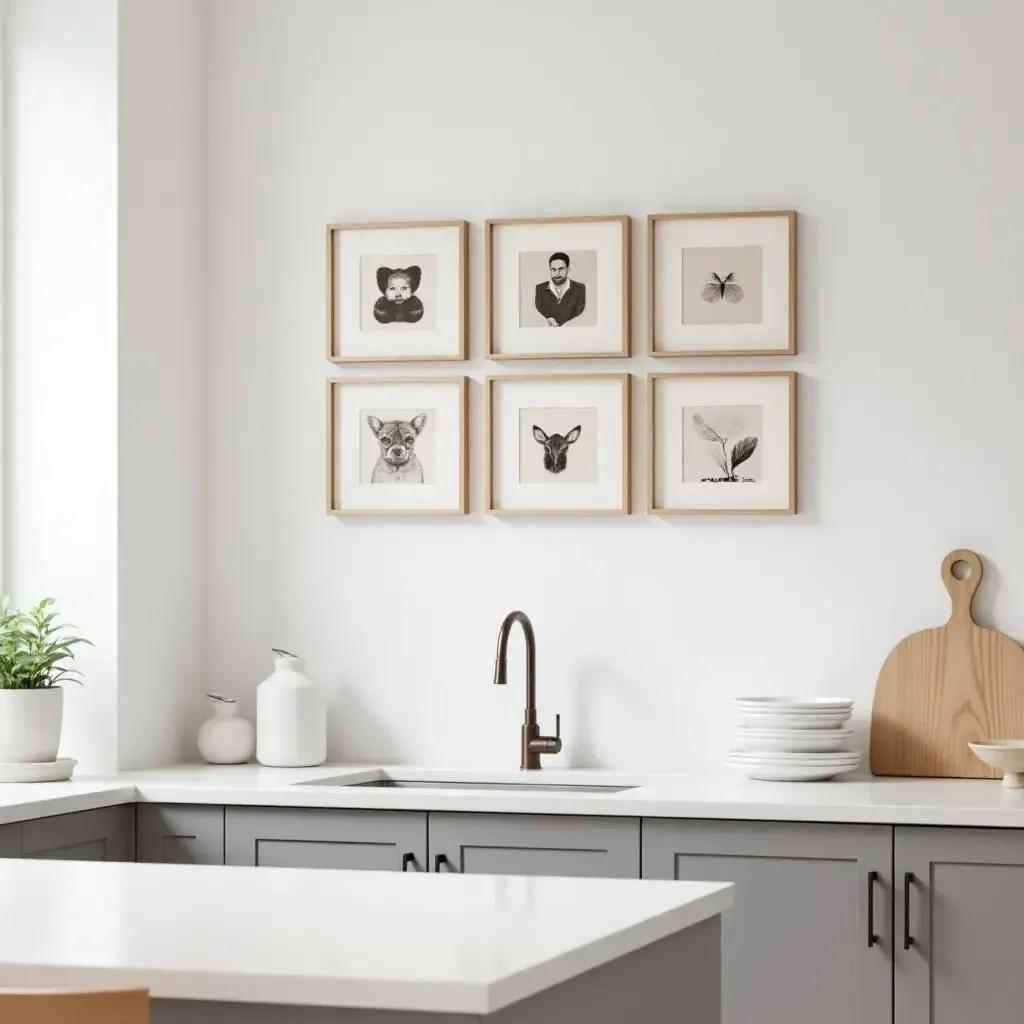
x=397 y=461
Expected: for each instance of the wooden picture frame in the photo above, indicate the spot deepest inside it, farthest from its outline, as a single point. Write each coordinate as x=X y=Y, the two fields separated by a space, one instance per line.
x=782 y=417
x=770 y=236
x=507 y=302
x=610 y=403
x=397 y=500
x=441 y=332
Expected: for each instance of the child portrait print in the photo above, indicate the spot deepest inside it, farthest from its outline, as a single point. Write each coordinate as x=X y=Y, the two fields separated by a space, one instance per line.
x=398 y=292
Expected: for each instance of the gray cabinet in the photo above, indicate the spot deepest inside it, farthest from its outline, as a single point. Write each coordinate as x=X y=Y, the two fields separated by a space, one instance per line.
x=107 y=833
x=795 y=947
x=179 y=834
x=10 y=840
x=535 y=844
x=960 y=909
x=326 y=838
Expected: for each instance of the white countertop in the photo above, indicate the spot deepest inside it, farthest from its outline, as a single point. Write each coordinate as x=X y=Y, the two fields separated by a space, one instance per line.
x=368 y=940
x=722 y=795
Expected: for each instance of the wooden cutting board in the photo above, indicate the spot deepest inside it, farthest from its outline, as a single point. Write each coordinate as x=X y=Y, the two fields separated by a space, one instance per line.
x=942 y=688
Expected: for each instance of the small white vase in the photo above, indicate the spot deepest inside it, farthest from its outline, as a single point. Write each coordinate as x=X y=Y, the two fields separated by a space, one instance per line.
x=291 y=717
x=30 y=724
x=227 y=738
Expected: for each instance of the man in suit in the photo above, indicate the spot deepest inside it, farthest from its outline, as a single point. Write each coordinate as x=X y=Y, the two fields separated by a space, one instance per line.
x=561 y=299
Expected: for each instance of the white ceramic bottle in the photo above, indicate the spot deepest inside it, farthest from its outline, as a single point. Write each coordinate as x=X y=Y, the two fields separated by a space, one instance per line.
x=291 y=716
x=227 y=738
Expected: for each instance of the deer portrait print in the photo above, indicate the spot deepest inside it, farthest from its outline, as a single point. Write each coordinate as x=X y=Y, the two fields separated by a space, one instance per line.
x=556 y=447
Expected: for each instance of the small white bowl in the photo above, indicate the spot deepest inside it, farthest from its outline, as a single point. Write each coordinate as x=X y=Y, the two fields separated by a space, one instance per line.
x=792 y=719
x=1007 y=755
x=806 y=705
x=793 y=740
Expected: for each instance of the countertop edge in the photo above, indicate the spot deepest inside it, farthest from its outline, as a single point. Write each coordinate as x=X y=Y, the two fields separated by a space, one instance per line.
x=603 y=951
x=46 y=805
x=720 y=797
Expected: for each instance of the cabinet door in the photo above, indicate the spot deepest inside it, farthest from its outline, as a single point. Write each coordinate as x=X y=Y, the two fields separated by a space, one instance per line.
x=10 y=840
x=796 y=946
x=535 y=844
x=179 y=834
x=323 y=838
x=963 y=920
x=107 y=833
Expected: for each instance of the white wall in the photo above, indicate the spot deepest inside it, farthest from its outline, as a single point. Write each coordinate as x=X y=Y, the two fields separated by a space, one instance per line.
x=162 y=369
x=62 y=321
x=892 y=128
x=105 y=389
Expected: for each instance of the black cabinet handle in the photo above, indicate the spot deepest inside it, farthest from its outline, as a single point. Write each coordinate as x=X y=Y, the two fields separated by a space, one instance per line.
x=440 y=860
x=873 y=939
x=408 y=859
x=908 y=882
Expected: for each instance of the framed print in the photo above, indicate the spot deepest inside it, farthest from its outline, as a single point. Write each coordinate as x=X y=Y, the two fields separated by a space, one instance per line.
x=396 y=446
x=396 y=292
x=558 y=445
x=557 y=288
x=722 y=284
x=721 y=442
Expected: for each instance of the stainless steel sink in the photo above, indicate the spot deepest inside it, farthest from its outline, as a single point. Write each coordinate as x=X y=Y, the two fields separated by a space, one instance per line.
x=384 y=781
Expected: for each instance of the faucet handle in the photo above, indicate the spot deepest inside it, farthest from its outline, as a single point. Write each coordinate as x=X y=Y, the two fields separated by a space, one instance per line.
x=558 y=727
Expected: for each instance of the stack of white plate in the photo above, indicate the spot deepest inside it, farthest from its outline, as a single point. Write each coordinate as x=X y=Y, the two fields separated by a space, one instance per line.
x=783 y=740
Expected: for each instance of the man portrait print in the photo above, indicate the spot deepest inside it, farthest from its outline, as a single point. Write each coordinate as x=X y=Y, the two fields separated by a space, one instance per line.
x=560 y=299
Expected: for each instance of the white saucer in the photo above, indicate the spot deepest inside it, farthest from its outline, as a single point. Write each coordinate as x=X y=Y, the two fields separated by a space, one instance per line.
x=792 y=772
x=38 y=771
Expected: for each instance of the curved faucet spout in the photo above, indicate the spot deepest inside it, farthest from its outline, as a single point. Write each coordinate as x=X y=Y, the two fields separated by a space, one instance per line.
x=501 y=659
x=533 y=743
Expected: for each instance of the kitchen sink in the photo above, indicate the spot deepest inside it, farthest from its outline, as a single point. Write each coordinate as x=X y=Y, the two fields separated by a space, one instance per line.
x=384 y=780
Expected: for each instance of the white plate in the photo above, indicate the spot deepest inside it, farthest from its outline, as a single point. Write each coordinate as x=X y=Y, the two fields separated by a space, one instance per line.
x=792 y=740
x=38 y=771
x=792 y=719
x=793 y=773
x=807 y=705
x=780 y=757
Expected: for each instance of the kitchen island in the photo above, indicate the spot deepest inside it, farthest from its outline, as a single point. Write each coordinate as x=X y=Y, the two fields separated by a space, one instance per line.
x=230 y=945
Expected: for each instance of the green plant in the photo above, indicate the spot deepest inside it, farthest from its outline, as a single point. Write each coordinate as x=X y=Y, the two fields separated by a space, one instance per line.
x=35 y=653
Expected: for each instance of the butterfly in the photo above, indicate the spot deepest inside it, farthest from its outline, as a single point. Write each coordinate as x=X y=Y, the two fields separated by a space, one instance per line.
x=716 y=288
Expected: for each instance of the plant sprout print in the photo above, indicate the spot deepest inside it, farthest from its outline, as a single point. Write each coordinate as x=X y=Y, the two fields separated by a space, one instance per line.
x=726 y=453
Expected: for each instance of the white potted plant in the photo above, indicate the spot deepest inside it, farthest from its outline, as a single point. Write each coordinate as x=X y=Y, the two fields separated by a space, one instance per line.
x=35 y=658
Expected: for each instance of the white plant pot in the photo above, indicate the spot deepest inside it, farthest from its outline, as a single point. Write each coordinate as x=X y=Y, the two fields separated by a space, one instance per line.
x=30 y=724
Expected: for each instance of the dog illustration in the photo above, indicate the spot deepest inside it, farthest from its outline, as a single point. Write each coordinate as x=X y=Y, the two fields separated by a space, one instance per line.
x=398 y=462
x=556 y=447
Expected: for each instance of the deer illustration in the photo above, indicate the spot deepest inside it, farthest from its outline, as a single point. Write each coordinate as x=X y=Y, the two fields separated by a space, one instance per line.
x=556 y=447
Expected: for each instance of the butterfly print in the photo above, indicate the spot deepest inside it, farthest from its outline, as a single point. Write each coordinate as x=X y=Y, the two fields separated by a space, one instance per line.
x=717 y=288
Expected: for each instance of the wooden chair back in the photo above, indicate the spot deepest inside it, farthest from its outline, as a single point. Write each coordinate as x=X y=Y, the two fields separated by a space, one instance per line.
x=122 y=1006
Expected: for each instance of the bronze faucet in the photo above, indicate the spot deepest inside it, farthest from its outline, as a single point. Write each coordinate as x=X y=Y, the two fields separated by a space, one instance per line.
x=533 y=744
